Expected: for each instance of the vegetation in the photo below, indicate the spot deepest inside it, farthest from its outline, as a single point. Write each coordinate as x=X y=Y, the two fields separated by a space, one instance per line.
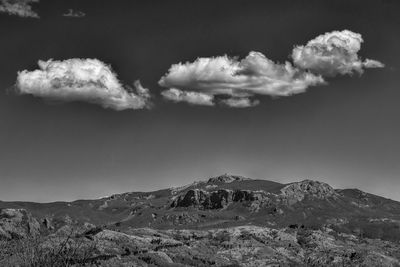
x=47 y=251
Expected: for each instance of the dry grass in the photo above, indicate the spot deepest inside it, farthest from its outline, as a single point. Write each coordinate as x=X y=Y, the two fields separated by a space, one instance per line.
x=47 y=252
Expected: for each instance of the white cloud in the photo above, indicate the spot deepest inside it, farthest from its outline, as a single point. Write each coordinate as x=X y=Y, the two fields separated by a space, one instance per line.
x=20 y=8
x=333 y=53
x=86 y=80
x=327 y=55
x=194 y=98
x=252 y=75
x=242 y=102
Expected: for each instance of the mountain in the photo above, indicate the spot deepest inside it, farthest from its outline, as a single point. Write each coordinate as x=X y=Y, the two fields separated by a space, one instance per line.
x=226 y=200
x=230 y=212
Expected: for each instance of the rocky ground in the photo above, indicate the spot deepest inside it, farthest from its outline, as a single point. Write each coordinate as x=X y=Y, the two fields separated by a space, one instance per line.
x=234 y=246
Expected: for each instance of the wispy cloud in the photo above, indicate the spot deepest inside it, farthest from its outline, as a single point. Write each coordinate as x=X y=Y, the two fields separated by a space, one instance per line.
x=74 y=13
x=85 y=80
x=236 y=80
x=240 y=102
x=195 y=98
x=20 y=8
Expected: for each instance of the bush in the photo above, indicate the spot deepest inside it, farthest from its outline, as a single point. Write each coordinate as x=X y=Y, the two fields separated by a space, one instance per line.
x=46 y=251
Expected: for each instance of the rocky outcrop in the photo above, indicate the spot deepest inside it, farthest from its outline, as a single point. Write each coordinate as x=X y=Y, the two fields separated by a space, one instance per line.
x=218 y=199
x=299 y=191
x=222 y=198
x=243 y=195
x=193 y=197
x=17 y=223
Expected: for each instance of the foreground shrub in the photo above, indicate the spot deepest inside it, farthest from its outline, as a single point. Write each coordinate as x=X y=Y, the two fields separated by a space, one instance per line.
x=47 y=251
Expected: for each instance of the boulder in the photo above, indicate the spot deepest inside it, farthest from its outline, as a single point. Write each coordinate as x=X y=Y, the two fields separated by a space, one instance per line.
x=17 y=223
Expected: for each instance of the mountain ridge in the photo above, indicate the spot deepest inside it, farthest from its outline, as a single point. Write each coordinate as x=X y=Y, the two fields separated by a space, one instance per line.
x=229 y=196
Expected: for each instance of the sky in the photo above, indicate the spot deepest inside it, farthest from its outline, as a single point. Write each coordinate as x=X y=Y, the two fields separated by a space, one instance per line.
x=103 y=97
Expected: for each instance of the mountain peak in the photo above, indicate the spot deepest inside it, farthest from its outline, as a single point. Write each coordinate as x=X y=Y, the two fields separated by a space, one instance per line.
x=226 y=178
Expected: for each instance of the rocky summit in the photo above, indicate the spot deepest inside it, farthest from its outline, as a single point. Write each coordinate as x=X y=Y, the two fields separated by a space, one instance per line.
x=226 y=178
x=226 y=220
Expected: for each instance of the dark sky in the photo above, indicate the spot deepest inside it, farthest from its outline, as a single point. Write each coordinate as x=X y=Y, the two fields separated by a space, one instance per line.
x=345 y=133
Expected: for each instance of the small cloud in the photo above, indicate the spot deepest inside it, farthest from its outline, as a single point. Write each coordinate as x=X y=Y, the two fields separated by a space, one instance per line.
x=74 y=13
x=194 y=98
x=333 y=53
x=84 y=80
x=242 y=102
x=20 y=8
x=370 y=63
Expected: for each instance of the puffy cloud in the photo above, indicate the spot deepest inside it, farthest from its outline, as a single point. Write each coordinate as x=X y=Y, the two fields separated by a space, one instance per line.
x=327 y=55
x=254 y=74
x=20 y=8
x=74 y=14
x=333 y=53
x=87 y=80
x=241 y=102
x=194 y=98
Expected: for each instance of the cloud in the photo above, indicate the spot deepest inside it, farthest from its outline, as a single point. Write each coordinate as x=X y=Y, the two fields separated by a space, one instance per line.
x=203 y=99
x=327 y=55
x=20 y=8
x=85 y=80
x=333 y=53
x=194 y=98
x=255 y=74
x=242 y=102
x=370 y=63
x=74 y=14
